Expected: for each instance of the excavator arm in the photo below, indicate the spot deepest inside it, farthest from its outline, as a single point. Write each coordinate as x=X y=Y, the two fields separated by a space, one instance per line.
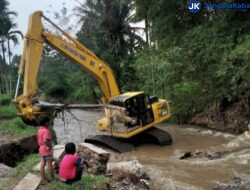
x=134 y=112
x=35 y=39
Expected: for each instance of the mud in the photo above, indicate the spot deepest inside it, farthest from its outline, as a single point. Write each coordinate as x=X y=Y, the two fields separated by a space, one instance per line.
x=12 y=152
x=164 y=171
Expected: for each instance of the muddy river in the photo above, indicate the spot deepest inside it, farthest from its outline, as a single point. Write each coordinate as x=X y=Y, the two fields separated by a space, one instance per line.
x=166 y=172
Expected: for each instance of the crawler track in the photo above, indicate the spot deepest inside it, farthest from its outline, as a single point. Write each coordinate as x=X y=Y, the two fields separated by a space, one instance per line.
x=152 y=135
x=160 y=136
x=111 y=142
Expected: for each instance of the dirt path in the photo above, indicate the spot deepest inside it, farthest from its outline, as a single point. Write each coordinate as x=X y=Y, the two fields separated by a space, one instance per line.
x=165 y=172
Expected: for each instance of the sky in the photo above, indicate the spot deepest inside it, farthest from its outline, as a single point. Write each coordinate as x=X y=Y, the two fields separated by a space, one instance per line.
x=25 y=7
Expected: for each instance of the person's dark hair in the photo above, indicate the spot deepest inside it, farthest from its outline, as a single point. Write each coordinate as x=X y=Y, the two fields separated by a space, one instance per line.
x=43 y=120
x=70 y=148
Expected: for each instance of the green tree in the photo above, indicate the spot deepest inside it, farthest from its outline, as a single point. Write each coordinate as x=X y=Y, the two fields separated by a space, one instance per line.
x=106 y=30
x=7 y=34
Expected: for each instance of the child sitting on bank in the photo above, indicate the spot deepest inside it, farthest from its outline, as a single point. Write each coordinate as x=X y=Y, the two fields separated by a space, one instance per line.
x=71 y=166
x=44 y=139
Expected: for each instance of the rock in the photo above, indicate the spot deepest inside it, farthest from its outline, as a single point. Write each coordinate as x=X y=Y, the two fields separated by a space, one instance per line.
x=212 y=154
x=128 y=175
x=240 y=178
x=30 y=181
x=131 y=166
x=208 y=153
x=58 y=150
x=96 y=158
x=5 y=170
x=241 y=181
x=124 y=180
x=181 y=154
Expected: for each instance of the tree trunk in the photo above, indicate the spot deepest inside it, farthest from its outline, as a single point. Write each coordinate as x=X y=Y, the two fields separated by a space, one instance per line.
x=146 y=30
x=10 y=68
x=153 y=75
x=4 y=78
x=1 y=78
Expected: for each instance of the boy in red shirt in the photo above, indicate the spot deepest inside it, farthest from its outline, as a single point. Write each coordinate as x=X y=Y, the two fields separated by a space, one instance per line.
x=71 y=166
x=44 y=139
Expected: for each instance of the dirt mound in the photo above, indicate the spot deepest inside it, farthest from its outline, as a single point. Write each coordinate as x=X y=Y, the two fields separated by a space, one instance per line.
x=12 y=152
x=229 y=117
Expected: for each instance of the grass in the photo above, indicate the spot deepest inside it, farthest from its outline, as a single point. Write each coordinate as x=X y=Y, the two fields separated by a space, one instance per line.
x=21 y=170
x=5 y=99
x=87 y=183
x=8 y=111
x=17 y=128
x=13 y=124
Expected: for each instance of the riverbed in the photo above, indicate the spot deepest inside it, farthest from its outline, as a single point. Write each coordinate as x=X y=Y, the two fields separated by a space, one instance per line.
x=164 y=171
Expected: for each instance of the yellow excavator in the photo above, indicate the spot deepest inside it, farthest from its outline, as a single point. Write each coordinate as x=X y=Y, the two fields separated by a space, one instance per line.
x=131 y=115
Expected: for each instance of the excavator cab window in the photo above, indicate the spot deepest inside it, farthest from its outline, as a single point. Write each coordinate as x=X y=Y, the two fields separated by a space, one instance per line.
x=139 y=107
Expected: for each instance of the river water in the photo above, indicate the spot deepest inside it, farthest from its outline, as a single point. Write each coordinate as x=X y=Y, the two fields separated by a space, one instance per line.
x=164 y=171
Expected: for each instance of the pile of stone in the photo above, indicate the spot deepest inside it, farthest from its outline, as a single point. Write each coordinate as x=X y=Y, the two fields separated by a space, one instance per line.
x=95 y=157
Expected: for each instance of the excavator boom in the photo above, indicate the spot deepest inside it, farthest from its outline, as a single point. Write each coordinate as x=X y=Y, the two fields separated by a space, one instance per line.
x=72 y=49
x=129 y=114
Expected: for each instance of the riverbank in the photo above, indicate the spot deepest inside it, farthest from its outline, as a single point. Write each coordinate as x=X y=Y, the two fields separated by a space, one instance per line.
x=157 y=161
x=227 y=117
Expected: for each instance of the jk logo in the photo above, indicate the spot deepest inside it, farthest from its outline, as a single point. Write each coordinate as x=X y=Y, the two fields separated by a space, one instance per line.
x=194 y=6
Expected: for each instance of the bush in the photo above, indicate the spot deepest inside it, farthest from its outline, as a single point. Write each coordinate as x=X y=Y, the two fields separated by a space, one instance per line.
x=18 y=128
x=186 y=101
x=8 y=111
x=5 y=99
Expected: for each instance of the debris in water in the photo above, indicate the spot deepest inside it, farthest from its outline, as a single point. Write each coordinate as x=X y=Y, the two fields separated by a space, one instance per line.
x=181 y=154
x=209 y=153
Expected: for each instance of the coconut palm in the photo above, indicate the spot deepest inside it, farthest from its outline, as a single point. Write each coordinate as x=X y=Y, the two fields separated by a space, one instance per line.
x=113 y=18
x=12 y=36
x=106 y=29
x=6 y=36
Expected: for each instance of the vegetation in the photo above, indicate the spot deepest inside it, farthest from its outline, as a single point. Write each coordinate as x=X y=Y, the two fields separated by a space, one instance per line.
x=17 y=128
x=8 y=34
x=87 y=183
x=193 y=60
x=21 y=170
x=13 y=124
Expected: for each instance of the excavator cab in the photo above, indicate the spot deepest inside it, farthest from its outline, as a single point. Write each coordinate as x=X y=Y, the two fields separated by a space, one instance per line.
x=126 y=115
x=137 y=106
x=137 y=113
